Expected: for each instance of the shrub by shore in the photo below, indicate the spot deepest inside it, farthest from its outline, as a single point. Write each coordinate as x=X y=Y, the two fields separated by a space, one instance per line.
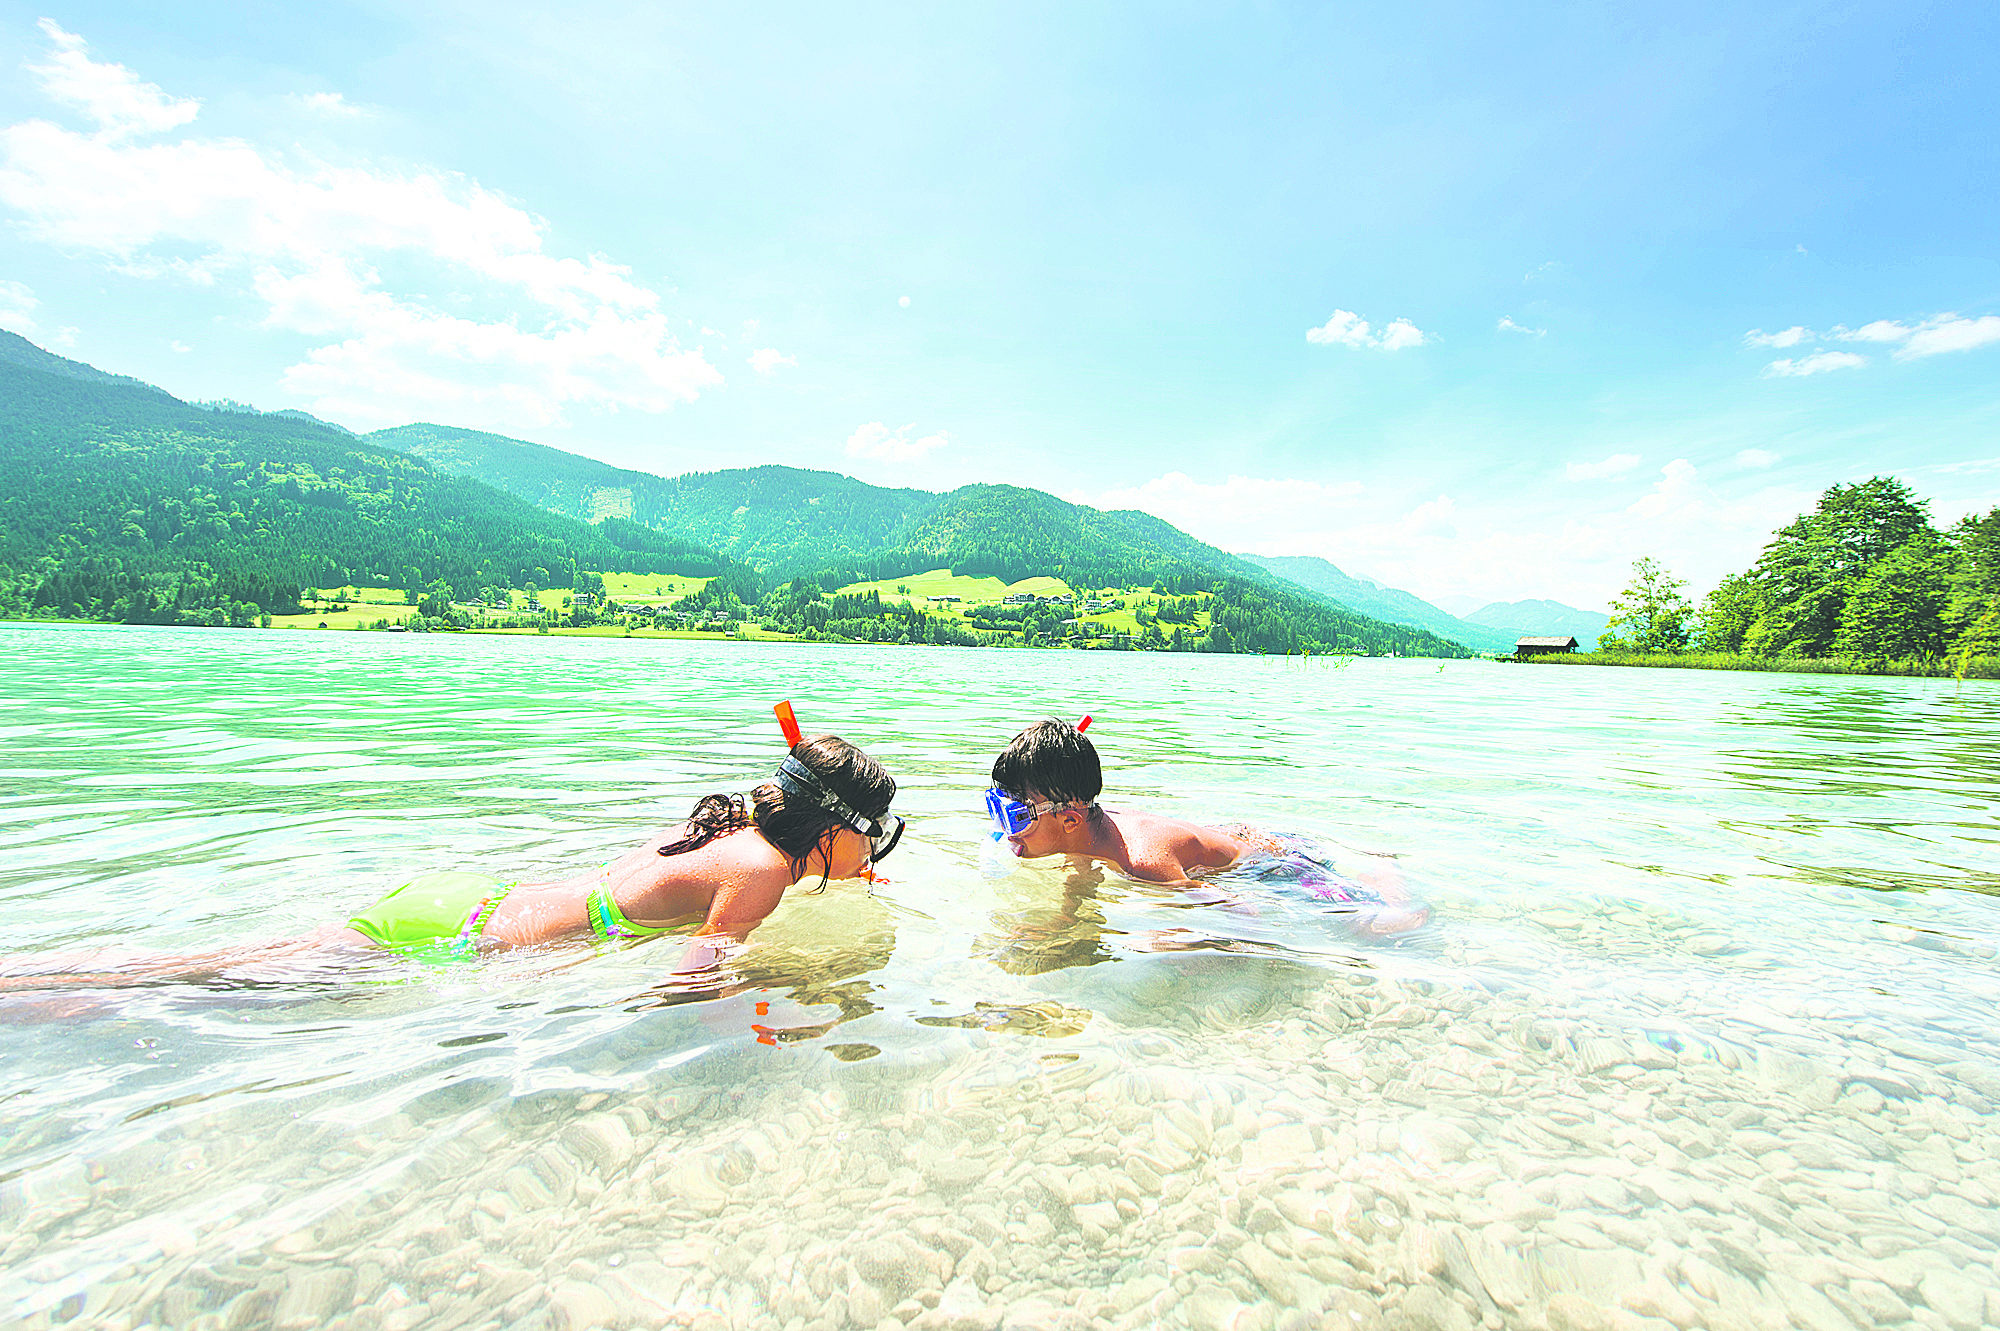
x=1975 y=667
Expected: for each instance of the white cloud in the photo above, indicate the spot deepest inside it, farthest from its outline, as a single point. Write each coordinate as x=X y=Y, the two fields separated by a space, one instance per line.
x=1818 y=363
x=1970 y=466
x=119 y=101
x=903 y=301
x=1402 y=333
x=1507 y=325
x=529 y=333
x=64 y=337
x=1948 y=332
x=877 y=441
x=1790 y=337
x=180 y=346
x=1348 y=329
x=1545 y=272
x=17 y=308
x=767 y=360
x=1615 y=465
x=1930 y=337
x=1757 y=457
x=1345 y=328
x=330 y=104
x=1882 y=330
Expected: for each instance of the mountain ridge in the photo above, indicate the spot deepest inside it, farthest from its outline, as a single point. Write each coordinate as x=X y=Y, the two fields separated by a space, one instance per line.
x=1371 y=598
x=791 y=522
x=788 y=521
x=1541 y=618
x=126 y=503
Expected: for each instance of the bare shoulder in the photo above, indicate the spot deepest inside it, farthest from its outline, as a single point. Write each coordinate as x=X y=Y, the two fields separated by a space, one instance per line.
x=1162 y=849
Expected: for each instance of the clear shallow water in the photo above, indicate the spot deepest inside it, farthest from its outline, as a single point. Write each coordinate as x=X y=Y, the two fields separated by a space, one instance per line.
x=1701 y=1034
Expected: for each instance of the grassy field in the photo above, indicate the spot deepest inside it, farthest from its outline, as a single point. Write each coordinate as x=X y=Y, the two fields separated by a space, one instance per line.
x=990 y=591
x=1127 y=620
x=354 y=617
x=751 y=633
x=651 y=588
x=362 y=595
x=941 y=582
x=365 y=605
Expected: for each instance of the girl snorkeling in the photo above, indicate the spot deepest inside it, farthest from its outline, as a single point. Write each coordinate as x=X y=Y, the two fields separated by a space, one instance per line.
x=824 y=812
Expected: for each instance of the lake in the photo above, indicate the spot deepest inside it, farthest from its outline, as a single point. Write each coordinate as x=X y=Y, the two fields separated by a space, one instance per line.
x=1701 y=1033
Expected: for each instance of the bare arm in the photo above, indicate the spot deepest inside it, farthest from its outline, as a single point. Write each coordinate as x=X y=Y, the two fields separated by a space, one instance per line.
x=738 y=908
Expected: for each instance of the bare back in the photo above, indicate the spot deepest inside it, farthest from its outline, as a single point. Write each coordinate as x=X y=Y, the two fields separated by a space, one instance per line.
x=1158 y=849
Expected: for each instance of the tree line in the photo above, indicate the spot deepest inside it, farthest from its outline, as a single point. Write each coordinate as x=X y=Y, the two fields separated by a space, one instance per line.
x=1866 y=577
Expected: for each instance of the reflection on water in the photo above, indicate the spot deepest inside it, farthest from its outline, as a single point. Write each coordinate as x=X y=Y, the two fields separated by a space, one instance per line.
x=1699 y=1036
x=1051 y=921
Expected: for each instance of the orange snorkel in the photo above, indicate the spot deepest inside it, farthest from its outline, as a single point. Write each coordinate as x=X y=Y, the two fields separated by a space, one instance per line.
x=789 y=723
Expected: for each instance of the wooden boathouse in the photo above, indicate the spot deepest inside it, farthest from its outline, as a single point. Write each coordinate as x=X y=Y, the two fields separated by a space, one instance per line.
x=1526 y=647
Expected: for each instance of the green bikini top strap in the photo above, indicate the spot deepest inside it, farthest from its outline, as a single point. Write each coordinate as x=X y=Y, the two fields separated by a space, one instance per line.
x=606 y=920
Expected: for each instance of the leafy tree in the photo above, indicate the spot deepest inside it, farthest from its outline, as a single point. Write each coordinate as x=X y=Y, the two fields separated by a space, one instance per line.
x=1973 y=583
x=1650 y=615
x=1729 y=613
x=434 y=602
x=1895 y=610
x=1811 y=565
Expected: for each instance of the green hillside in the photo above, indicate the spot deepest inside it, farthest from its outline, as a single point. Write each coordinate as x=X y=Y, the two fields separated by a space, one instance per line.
x=818 y=532
x=18 y=350
x=779 y=519
x=120 y=502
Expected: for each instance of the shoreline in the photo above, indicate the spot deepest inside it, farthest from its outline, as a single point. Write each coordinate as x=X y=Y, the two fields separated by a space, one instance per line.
x=697 y=635
x=1975 y=668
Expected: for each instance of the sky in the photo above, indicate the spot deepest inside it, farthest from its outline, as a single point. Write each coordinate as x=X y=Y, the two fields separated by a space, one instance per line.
x=1483 y=301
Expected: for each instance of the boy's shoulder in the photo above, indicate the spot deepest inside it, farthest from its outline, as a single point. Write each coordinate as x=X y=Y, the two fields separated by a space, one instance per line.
x=1160 y=848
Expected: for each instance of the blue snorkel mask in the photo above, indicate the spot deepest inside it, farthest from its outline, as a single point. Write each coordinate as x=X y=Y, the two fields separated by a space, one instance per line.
x=1010 y=816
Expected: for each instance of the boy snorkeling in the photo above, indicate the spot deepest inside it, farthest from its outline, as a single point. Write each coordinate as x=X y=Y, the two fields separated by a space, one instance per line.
x=1044 y=802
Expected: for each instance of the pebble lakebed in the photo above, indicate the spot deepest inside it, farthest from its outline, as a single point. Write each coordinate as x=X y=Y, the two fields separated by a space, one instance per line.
x=1296 y=1151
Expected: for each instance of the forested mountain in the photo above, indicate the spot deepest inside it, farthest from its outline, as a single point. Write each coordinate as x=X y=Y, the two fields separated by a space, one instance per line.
x=1517 y=619
x=1388 y=603
x=18 y=350
x=783 y=520
x=830 y=530
x=118 y=501
x=787 y=521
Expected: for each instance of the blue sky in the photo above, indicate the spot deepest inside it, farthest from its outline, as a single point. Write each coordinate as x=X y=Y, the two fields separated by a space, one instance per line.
x=1481 y=301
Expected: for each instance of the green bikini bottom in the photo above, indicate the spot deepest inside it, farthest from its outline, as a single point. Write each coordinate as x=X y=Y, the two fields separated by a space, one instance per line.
x=438 y=916
x=435 y=916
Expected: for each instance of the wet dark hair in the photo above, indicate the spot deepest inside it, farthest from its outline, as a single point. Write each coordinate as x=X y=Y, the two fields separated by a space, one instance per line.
x=791 y=824
x=1053 y=759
